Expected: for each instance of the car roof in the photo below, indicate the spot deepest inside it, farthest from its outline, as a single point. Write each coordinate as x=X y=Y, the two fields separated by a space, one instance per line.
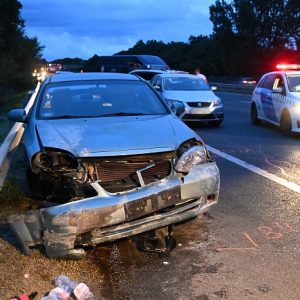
x=171 y=74
x=146 y=71
x=90 y=76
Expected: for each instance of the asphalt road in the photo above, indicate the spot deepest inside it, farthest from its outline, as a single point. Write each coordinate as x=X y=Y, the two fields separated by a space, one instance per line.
x=247 y=247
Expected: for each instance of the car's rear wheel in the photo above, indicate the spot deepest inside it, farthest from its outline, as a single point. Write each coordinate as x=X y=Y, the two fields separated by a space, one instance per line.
x=285 y=122
x=254 y=115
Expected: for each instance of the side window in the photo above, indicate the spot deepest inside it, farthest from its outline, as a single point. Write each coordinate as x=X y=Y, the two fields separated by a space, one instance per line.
x=278 y=82
x=261 y=82
x=268 y=83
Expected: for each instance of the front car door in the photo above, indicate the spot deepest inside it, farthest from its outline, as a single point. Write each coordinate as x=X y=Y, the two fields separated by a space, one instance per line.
x=278 y=97
x=267 y=110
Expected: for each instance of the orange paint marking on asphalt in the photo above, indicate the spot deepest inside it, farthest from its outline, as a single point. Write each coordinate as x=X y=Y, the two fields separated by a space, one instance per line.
x=291 y=229
x=269 y=234
x=248 y=237
x=235 y=249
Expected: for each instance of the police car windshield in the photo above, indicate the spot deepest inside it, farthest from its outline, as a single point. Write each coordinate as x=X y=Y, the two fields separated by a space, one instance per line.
x=294 y=82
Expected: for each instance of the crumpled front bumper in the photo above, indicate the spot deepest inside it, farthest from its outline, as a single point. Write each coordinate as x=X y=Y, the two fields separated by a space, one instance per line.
x=107 y=217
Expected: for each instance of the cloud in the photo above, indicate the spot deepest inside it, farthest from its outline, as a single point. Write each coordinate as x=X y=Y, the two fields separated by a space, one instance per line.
x=79 y=28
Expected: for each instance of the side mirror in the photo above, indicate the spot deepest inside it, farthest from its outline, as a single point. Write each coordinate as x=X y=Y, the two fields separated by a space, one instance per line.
x=178 y=108
x=17 y=115
x=277 y=90
x=157 y=87
x=214 y=88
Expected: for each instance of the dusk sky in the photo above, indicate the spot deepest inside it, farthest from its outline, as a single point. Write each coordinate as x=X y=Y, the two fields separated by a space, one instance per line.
x=82 y=28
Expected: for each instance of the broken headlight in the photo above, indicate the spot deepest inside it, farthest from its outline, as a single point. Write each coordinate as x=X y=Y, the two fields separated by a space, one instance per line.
x=195 y=155
x=54 y=160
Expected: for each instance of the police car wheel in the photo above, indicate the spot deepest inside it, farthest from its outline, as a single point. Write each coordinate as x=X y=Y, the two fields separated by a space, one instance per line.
x=285 y=122
x=254 y=117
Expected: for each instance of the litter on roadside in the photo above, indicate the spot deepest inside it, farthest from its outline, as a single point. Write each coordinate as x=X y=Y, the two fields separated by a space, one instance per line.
x=64 y=289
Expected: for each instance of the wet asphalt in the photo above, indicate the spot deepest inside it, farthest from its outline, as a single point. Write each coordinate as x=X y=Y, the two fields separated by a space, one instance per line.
x=246 y=247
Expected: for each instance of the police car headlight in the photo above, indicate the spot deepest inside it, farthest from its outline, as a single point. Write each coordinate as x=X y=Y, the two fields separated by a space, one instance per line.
x=297 y=108
x=194 y=156
x=217 y=102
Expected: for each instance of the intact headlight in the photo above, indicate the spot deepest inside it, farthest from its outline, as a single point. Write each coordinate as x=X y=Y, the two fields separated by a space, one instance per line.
x=194 y=156
x=54 y=160
x=217 y=102
x=171 y=103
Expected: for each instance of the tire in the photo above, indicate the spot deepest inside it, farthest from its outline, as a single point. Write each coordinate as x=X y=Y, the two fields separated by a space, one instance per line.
x=285 y=123
x=254 y=116
x=39 y=188
x=215 y=123
x=33 y=182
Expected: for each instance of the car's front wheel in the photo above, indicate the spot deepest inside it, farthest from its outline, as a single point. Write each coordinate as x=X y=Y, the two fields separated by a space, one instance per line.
x=285 y=122
x=215 y=123
x=37 y=187
x=254 y=115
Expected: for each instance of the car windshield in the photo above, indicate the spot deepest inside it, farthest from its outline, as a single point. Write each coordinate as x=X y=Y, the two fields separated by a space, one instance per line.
x=293 y=81
x=185 y=84
x=88 y=99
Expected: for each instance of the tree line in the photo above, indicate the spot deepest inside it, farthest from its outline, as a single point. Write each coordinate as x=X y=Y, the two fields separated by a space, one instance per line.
x=249 y=37
x=18 y=53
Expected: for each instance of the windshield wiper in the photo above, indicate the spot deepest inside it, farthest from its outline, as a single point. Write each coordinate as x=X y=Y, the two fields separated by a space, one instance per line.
x=99 y=116
x=124 y=114
x=69 y=117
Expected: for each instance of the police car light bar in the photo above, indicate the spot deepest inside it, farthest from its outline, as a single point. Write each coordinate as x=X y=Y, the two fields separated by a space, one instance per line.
x=288 y=67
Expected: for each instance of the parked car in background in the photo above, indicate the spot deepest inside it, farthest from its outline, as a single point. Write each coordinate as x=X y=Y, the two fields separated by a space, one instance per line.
x=199 y=101
x=146 y=74
x=276 y=99
x=127 y=63
x=247 y=80
x=112 y=160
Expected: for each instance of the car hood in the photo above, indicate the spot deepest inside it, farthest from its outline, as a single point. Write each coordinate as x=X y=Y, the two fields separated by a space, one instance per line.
x=111 y=136
x=190 y=96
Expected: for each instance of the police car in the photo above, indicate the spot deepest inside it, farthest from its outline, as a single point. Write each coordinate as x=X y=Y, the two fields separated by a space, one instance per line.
x=276 y=98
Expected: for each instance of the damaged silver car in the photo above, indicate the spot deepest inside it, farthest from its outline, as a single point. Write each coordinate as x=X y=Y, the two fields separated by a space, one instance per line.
x=112 y=160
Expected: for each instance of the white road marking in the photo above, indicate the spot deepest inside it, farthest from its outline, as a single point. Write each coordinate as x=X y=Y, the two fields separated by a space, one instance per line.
x=288 y=184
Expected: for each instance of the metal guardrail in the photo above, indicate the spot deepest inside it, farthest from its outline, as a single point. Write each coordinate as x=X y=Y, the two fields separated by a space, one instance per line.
x=246 y=88
x=12 y=141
